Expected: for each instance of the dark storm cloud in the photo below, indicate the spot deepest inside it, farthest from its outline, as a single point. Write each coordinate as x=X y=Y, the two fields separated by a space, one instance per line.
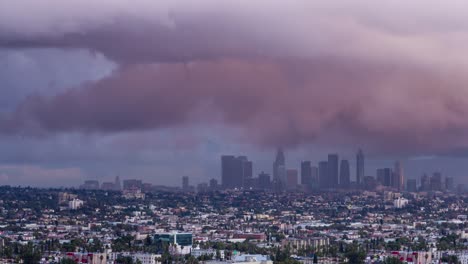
x=275 y=102
x=284 y=72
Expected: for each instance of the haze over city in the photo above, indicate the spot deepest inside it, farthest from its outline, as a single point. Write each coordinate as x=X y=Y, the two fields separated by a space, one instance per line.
x=157 y=90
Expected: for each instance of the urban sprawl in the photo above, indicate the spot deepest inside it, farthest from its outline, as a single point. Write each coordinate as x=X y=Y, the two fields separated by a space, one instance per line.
x=326 y=218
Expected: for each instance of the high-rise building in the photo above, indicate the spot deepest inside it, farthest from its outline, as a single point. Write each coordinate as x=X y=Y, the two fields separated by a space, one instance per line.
x=279 y=171
x=247 y=169
x=292 y=178
x=234 y=170
x=185 y=183
x=264 y=181
x=306 y=174
x=323 y=174
x=436 y=182
x=231 y=172
x=117 y=185
x=411 y=185
x=359 y=167
x=344 y=174
x=384 y=177
x=333 y=171
x=449 y=184
x=425 y=183
x=398 y=177
x=315 y=177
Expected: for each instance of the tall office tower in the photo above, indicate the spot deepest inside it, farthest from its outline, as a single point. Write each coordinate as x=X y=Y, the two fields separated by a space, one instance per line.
x=436 y=182
x=333 y=170
x=411 y=185
x=425 y=183
x=247 y=170
x=398 y=177
x=380 y=176
x=264 y=181
x=234 y=171
x=384 y=177
x=315 y=177
x=185 y=183
x=279 y=171
x=323 y=174
x=117 y=185
x=359 y=167
x=449 y=184
x=344 y=174
x=306 y=174
x=292 y=178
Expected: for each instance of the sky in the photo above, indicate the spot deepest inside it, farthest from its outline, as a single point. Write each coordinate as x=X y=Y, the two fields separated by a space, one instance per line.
x=156 y=90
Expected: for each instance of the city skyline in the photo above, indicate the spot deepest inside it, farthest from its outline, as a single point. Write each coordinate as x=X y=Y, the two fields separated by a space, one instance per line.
x=237 y=173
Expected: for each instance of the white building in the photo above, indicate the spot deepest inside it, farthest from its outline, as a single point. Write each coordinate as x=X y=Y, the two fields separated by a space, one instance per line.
x=75 y=204
x=89 y=258
x=463 y=257
x=207 y=252
x=144 y=258
x=180 y=243
x=133 y=194
x=245 y=259
x=400 y=202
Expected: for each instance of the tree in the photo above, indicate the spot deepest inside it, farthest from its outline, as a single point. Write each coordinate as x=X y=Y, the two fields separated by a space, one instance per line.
x=29 y=255
x=393 y=260
x=451 y=259
x=67 y=261
x=355 y=257
x=124 y=260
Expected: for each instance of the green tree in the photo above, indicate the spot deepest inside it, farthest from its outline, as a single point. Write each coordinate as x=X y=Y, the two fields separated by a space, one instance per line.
x=124 y=260
x=67 y=261
x=393 y=260
x=355 y=255
x=451 y=259
x=30 y=256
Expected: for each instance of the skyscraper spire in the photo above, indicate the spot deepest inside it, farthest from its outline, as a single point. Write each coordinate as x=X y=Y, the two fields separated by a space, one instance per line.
x=279 y=170
x=280 y=160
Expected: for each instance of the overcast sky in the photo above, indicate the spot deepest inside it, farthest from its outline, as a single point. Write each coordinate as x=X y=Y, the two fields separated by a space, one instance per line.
x=160 y=89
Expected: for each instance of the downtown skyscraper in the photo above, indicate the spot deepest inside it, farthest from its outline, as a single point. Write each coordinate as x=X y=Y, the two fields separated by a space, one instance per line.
x=235 y=171
x=306 y=174
x=345 y=180
x=359 y=167
x=398 y=177
x=279 y=171
x=323 y=174
x=333 y=170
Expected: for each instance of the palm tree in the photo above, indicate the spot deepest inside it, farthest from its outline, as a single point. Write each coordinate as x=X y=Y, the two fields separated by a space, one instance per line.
x=158 y=259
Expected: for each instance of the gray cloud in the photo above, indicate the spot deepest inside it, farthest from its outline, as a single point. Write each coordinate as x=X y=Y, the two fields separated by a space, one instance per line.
x=285 y=73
